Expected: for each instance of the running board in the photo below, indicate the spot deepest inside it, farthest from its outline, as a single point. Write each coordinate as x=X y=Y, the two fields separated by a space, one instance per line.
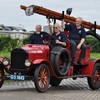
x=78 y=76
x=80 y=66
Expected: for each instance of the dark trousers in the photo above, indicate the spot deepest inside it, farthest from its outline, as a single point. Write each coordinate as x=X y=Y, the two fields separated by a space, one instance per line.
x=73 y=48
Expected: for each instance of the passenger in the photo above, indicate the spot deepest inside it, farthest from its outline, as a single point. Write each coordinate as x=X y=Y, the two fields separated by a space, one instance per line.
x=77 y=38
x=38 y=36
x=58 y=38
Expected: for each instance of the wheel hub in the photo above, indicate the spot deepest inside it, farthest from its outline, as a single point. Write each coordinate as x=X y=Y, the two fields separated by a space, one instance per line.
x=43 y=78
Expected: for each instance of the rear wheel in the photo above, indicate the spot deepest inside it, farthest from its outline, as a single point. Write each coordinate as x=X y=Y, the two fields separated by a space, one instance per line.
x=94 y=80
x=1 y=76
x=54 y=81
x=42 y=78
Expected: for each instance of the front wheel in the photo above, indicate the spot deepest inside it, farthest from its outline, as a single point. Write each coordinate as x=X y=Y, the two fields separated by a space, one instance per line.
x=94 y=80
x=42 y=77
x=1 y=77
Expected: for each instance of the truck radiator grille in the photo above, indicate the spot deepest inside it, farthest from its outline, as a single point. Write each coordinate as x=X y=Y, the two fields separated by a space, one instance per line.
x=18 y=57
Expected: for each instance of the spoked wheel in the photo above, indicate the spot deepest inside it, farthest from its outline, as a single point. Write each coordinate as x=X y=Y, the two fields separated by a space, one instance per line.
x=42 y=78
x=1 y=76
x=94 y=80
x=54 y=81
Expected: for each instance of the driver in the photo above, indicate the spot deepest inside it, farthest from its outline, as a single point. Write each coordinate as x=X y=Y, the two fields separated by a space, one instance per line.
x=58 y=38
x=38 y=36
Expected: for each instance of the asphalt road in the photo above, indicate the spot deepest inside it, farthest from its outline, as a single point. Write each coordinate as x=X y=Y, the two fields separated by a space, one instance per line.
x=68 y=90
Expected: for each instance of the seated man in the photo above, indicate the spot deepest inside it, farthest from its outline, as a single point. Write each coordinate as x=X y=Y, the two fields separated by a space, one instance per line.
x=77 y=38
x=58 y=38
x=38 y=36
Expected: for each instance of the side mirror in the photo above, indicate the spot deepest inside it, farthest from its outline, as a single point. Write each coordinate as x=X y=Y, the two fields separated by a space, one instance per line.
x=69 y=11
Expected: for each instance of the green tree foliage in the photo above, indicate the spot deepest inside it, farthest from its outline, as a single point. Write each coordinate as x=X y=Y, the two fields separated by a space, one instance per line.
x=7 y=43
x=25 y=41
x=94 y=43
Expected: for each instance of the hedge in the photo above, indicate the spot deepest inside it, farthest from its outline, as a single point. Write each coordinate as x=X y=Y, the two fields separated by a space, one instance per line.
x=7 y=43
x=94 y=43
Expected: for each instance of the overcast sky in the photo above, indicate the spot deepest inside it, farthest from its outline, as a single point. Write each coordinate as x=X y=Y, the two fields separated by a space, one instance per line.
x=11 y=14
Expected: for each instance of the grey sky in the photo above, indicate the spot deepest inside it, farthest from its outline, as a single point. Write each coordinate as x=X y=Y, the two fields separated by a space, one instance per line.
x=11 y=14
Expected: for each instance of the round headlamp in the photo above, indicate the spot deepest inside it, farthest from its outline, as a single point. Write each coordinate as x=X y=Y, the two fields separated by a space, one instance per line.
x=27 y=63
x=5 y=61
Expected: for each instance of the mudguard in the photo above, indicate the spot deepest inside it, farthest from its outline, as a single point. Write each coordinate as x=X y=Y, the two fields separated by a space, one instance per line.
x=87 y=70
x=38 y=61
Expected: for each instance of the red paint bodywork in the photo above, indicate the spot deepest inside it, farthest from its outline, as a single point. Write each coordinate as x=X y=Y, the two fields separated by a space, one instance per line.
x=37 y=53
x=41 y=53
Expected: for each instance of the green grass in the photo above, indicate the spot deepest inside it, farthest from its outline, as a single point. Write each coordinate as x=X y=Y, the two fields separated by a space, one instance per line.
x=95 y=55
x=5 y=53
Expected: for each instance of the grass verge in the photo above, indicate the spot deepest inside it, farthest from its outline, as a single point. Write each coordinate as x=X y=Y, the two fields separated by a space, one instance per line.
x=95 y=55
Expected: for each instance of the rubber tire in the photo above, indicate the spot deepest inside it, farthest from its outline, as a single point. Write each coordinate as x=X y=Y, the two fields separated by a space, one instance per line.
x=36 y=73
x=2 y=74
x=54 y=81
x=91 y=83
x=65 y=69
x=54 y=58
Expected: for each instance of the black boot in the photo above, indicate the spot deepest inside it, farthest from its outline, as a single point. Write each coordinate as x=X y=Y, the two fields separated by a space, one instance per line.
x=73 y=62
x=80 y=62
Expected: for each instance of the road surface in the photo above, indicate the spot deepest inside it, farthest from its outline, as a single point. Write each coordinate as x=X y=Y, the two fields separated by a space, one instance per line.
x=68 y=90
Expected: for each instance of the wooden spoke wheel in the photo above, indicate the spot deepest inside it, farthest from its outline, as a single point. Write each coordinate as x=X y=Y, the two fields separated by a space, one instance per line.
x=94 y=80
x=42 y=78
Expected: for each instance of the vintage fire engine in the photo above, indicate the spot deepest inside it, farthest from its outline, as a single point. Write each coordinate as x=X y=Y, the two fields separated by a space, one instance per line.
x=41 y=65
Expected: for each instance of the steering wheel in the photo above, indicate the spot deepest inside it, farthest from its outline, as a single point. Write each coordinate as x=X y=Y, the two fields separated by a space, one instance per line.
x=47 y=39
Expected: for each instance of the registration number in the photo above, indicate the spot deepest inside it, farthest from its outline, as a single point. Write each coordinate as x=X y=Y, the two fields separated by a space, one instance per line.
x=17 y=77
